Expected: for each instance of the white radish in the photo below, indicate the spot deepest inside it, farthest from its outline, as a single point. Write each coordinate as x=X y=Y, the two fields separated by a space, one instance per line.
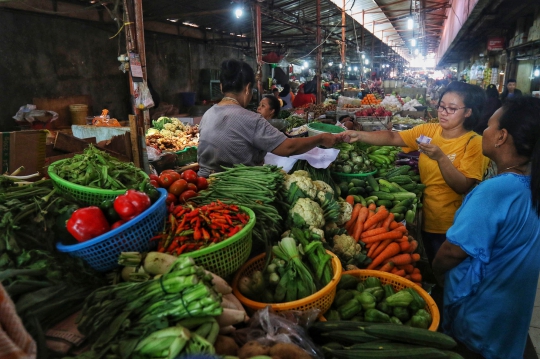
x=225 y=303
x=220 y=284
x=158 y=263
x=231 y=317
x=232 y=298
x=227 y=330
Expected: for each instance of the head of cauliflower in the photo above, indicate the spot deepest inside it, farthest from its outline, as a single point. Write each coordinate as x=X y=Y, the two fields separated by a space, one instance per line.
x=303 y=181
x=309 y=211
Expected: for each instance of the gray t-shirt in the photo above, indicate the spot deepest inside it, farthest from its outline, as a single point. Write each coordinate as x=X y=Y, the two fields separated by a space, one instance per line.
x=231 y=135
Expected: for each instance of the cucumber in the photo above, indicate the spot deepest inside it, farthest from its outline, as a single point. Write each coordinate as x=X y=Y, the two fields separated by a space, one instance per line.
x=412 y=353
x=322 y=327
x=383 y=195
x=398 y=217
x=412 y=335
x=384 y=202
x=412 y=173
x=400 y=179
x=349 y=337
x=409 y=187
x=372 y=183
x=359 y=199
x=420 y=186
x=357 y=190
x=409 y=216
x=398 y=209
x=382 y=344
x=416 y=178
x=452 y=355
x=358 y=182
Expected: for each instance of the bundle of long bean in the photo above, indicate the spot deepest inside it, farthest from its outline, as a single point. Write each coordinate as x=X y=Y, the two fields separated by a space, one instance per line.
x=259 y=188
x=116 y=318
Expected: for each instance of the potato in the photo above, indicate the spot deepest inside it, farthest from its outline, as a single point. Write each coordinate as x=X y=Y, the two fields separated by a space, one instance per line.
x=251 y=349
x=225 y=346
x=288 y=351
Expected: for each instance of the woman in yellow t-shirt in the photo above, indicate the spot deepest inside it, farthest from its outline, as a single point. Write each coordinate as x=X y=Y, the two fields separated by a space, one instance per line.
x=451 y=165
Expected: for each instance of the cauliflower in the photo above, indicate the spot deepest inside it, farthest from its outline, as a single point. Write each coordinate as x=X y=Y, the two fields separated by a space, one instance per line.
x=303 y=183
x=323 y=188
x=152 y=131
x=169 y=126
x=345 y=212
x=177 y=123
x=318 y=232
x=307 y=212
x=346 y=247
x=166 y=133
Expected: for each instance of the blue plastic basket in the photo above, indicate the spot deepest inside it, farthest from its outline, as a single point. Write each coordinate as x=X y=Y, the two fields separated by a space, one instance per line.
x=102 y=252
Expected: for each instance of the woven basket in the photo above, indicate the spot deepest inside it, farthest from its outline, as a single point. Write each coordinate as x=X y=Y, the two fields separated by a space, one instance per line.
x=78 y=114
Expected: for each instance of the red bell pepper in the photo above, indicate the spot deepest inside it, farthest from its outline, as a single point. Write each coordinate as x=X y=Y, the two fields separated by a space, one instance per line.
x=87 y=223
x=131 y=204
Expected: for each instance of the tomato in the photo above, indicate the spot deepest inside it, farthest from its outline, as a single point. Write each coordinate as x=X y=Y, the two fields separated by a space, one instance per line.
x=154 y=177
x=202 y=183
x=117 y=224
x=184 y=197
x=171 y=198
x=190 y=176
x=167 y=171
x=155 y=183
x=175 y=176
x=192 y=187
x=165 y=180
x=178 y=187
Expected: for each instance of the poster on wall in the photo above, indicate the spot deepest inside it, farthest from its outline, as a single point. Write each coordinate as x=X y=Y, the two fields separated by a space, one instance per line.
x=135 y=67
x=495 y=43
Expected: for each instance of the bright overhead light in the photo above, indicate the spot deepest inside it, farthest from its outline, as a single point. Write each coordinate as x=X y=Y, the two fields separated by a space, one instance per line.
x=340 y=65
x=330 y=63
x=349 y=68
x=410 y=23
x=239 y=12
x=363 y=56
x=366 y=61
x=413 y=42
x=356 y=69
x=306 y=65
x=537 y=72
x=416 y=51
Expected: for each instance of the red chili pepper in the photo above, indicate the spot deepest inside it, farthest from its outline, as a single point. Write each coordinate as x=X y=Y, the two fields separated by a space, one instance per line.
x=178 y=211
x=87 y=223
x=228 y=218
x=131 y=204
x=180 y=249
x=205 y=234
x=193 y=214
x=197 y=234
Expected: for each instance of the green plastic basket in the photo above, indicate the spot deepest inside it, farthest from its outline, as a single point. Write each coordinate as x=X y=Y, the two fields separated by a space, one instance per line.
x=226 y=257
x=87 y=195
x=346 y=177
x=186 y=156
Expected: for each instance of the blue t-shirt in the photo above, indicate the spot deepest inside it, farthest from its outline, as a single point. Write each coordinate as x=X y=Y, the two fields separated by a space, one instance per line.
x=489 y=297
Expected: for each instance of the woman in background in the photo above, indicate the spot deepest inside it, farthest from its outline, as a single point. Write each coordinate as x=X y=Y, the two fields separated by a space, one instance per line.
x=269 y=107
x=491 y=105
x=489 y=261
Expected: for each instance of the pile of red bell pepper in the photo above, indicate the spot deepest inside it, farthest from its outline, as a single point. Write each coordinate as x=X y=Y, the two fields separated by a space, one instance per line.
x=181 y=186
x=89 y=222
x=190 y=228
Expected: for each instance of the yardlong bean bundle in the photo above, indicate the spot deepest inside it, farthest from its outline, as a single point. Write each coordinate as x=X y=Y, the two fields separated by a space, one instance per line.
x=260 y=188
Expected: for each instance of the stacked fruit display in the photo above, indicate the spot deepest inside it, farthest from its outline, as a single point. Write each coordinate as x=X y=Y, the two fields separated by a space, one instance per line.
x=370 y=99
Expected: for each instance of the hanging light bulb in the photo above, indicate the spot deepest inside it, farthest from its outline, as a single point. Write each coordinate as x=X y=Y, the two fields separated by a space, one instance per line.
x=537 y=72
x=356 y=69
x=410 y=23
x=363 y=56
x=416 y=51
x=349 y=68
x=306 y=65
x=366 y=61
x=239 y=12
x=413 y=42
x=330 y=63
x=340 y=66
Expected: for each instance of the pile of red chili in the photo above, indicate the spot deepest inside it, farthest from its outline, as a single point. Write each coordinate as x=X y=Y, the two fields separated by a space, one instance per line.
x=190 y=228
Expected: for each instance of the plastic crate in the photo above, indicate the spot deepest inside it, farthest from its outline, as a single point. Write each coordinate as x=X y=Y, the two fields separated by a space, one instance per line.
x=87 y=195
x=186 y=156
x=399 y=283
x=102 y=252
x=322 y=299
x=347 y=177
x=224 y=258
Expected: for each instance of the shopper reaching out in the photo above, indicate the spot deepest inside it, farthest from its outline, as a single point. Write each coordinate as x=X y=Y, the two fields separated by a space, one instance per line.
x=489 y=262
x=450 y=166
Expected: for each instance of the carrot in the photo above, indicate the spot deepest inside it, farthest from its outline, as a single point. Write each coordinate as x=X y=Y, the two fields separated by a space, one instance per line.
x=381 y=247
x=401 y=259
x=416 y=277
x=350 y=200
x=377 y=217
x=388 y=220
x=372 y=207
x=402 y=229
x=368 y=246
x=387 y=267
x=407 y=267
x=402 y=239
x=404 y=245
x=394 y=270
x=373 y=232
x=394 y=225
x=413 y=245
x=407 y=277
x=400 y=273
x=388 y=252
x=354 y=215
x=416 y=270
x=379 y=225
x=373 y=247
x=359 y=227
x=382 y=237
x=415 y=257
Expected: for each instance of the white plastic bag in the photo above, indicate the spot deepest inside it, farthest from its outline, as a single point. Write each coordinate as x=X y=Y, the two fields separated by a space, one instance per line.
x=143 y=98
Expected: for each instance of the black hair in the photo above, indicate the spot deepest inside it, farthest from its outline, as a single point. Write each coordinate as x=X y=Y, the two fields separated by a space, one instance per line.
x=473 y=97
x=274 y=104
x=510 y=80
x=286 y=90
x=275 y=90
x=491 y=91
x=526 y=136
x=343 y=117
x=235 y=75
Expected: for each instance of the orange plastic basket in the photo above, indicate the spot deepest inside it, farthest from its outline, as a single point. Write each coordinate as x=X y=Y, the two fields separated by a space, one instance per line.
x=322 y=299
x=400 y=283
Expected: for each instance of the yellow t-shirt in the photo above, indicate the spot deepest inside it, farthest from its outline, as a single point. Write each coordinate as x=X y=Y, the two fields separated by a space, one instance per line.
x=465 y=152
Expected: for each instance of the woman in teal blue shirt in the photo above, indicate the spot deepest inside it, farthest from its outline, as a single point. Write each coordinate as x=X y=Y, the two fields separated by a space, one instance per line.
x=490 y=261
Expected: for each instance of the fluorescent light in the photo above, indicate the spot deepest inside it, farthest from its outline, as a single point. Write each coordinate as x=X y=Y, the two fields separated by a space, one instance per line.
x=340 y=65
x=355 y=68
x=410 y=23
x=413 y=42
x=366 y=61
x=416 y=51
x=190 y=24
x=349 y=68
x=537 y=72
x=363 y=56
x=239 y=12
x=330 y=63
x=306 y=65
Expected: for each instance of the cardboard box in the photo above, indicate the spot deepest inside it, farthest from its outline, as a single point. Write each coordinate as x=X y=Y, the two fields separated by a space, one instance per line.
x=23 y=148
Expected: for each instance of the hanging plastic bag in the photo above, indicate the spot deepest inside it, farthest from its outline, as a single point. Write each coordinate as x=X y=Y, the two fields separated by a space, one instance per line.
x=143 y=98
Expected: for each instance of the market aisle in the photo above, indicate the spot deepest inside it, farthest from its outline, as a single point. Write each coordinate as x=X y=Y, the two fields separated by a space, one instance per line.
x=534 y=330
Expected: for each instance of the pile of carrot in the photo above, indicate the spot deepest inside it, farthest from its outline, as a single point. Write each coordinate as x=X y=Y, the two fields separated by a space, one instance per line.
x=389 y=246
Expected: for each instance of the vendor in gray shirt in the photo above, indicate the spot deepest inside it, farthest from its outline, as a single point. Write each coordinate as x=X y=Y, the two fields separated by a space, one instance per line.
x=229 y=134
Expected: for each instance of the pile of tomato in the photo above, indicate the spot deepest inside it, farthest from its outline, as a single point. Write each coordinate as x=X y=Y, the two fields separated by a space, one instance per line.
x=181 y=186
